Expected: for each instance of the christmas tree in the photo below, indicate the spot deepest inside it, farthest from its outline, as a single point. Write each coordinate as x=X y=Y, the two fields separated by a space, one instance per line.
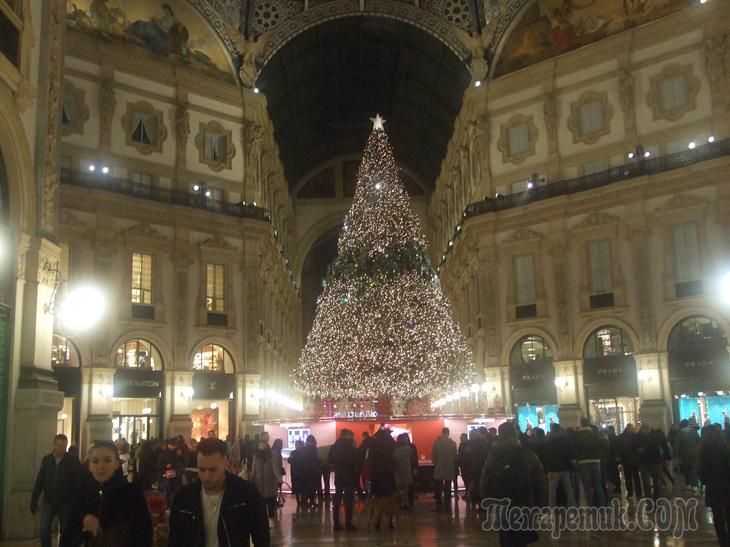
x=383 y=326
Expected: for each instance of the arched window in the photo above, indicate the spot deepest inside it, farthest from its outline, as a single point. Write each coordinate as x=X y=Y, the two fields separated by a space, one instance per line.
x=138 y=353
x=605 y=341
x=64 y=353
x=530 y=348
x=214 y=358
x=694 y=331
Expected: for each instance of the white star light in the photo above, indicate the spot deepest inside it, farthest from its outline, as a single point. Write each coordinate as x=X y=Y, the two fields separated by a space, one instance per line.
x=378 y=123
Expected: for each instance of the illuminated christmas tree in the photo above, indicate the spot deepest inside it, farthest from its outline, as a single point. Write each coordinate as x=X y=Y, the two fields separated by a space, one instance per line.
x=383 y=326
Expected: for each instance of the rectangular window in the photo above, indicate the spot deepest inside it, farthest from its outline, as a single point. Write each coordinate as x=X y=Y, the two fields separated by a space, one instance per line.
x=215 y=147
x=599 y=266
x=524 y=280
x=593 y=167
x=141 y=278
x=519 y=139
x=687 y=265
x=143 y=128
x=673 y=92
x=215 y=291
x=141 y=178
x=10 y=25
x=591 y=118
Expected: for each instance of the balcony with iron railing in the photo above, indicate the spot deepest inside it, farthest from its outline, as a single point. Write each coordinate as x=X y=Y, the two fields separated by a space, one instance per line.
x=99 y=181
x=638 y=167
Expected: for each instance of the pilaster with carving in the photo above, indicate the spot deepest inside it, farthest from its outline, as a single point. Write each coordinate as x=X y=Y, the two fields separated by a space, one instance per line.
x=182 y=132
x=486 y=276
x=626 y=95
x=558 y=252
x=717 y=62
x=107 y=102
x=638 y=241
x=50 y=175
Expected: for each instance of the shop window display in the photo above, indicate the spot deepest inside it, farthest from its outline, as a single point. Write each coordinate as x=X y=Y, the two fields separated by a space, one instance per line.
x=138 y=353
x=542 y=416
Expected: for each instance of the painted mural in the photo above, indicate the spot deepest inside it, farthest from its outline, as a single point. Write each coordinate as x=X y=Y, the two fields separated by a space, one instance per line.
x=550 y=27
x=175 y=30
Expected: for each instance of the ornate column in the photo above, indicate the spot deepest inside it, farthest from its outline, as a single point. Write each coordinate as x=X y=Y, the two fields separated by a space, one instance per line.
x=550 y=117
x=558 y=252
x=486 y=276
x=107 y=102
x=638 y=241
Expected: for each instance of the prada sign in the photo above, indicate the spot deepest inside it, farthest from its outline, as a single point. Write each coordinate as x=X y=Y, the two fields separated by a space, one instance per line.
x=609 y=369
x=532 y=375
x=213 y=385
x=699 y=361
x=138 y=383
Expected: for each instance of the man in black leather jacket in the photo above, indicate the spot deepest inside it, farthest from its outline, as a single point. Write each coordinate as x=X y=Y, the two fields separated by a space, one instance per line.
x=220 y=503
x=58 y=480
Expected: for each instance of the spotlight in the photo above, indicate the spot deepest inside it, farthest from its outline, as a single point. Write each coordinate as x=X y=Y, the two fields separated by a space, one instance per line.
x=255 y=89
x=477 y=83
x=647 y=154
x=530 y=185
x=691 y=145
x=105 y=169
x=82 y=308
x=207 y=193
x=254 y=204
x=710 y=139
x=213 y=406
x=92 y=167
x=631 y=155
x=196 y=187
x=725 y=288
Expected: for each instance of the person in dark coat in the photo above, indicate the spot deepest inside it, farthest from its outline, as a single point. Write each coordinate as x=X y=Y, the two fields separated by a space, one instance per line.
x=479 y=453
x=714 y=465
x=294 y=466
x=463 y=460
x=383 y=464
x=310 y=473
x=362 y=456
x=650 y=460
x=613 y=459
x=557 y=464
x=629 y=455
x=343 y=460
x=220 y=505
x=58 y=480
x=170 y=468
x=513 y=472
x=107 y=507
x=587 y=451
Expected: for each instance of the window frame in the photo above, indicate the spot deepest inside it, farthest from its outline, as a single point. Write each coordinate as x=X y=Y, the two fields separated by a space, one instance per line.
x=654 y=97
x=211 y=301
x=215 y=128
x=143 y=290
x=145 y=111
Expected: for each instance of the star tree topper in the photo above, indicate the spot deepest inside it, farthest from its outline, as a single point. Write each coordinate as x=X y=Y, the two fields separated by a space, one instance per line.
x=378 y=123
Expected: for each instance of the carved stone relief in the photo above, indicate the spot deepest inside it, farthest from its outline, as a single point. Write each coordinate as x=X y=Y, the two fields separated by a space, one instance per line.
x=107 y=102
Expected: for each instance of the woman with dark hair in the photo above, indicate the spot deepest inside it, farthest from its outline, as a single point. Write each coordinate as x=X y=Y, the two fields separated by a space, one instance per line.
x=107 y=510
x=714 y=466
x=294 y=462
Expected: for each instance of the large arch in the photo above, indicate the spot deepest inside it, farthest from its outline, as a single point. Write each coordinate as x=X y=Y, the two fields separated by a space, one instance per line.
x=588 y=328
x=314 y=233
x=218 y=341
x=168 y=362
x=326 y=81
x=521 y=333
x=674 y=319
x=18 y=161
x=339 y=9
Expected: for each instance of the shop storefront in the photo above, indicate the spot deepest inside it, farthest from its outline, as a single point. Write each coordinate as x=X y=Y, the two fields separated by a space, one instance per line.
x=532 y=384
x=66 y=365
x=699 y=371
x=609 y=376
x=136 y=405
x=213 y=404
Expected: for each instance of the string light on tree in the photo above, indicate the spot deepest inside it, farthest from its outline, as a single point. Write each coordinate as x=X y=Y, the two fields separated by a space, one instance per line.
x=383 y=326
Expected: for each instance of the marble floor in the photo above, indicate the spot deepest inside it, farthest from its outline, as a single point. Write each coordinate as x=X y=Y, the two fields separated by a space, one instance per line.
x=422 y=526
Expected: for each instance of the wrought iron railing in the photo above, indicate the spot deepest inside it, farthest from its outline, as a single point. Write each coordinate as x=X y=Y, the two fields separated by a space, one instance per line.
x=636 y=168
x=100 y=181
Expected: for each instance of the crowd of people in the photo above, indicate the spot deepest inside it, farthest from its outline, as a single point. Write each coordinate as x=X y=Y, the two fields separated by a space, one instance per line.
x=219 y=492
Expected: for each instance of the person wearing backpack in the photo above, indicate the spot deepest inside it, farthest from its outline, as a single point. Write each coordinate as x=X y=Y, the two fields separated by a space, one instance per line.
x=514 y=473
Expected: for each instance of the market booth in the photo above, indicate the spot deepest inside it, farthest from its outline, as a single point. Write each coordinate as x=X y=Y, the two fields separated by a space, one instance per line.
x=423 y=431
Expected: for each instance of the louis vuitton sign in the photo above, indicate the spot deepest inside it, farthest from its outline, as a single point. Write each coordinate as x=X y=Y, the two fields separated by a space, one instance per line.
x=130 y=382
x=213 y=385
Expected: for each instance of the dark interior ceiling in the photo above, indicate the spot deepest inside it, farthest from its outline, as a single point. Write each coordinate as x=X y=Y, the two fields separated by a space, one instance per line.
x=324 y=85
